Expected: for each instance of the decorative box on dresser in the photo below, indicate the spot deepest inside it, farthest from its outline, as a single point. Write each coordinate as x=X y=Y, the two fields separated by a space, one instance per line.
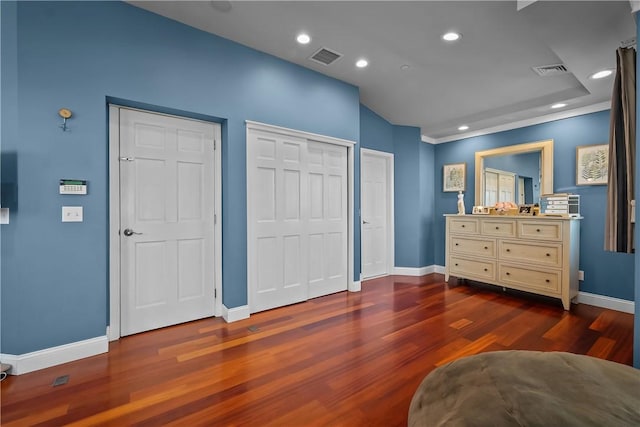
x=537 y=254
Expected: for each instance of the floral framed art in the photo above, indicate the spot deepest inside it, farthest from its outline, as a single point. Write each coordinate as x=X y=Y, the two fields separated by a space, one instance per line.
x=592 y=164
x=454 y=177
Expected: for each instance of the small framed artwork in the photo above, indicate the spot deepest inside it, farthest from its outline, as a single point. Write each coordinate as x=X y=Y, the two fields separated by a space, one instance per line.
x=592 y=164
x=454 y=177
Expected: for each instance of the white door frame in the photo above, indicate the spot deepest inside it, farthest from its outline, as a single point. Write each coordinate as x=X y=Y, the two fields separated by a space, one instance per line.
x=352 y=285
x=390 y=237
x=114 y=218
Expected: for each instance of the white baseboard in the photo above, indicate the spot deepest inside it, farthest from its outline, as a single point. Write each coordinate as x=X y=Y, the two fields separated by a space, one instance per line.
x=611 y=303
x=29 y=362
x=438 y=269
x=236 y=313
x=355 y=286
x=413 y=271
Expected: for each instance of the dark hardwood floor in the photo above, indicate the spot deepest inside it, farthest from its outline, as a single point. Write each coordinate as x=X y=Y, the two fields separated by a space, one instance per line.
x=348 y=359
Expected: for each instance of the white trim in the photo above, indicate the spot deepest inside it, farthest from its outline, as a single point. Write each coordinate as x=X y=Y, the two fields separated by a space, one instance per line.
x=298 y=133
x=635 y=5
x=355 y=286
x=601 y=106
x=236 y=313
x=41 y=359
x=308 y=136
x=114 y=223
x=113 y=330
x=414 y=271
x=390 y=160
x=439 y=269
x=603 y=301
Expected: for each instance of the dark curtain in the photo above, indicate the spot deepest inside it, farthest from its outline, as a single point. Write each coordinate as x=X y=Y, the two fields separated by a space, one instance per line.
x=622 y=154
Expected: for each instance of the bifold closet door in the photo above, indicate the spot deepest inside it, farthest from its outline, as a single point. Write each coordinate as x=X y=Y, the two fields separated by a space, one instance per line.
x=297 y=219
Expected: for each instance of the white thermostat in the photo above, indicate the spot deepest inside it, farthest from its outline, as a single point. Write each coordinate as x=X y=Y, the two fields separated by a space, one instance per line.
x=73 y=186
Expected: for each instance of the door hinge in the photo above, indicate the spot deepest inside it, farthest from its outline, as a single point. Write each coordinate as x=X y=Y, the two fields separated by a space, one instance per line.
x=215 y=293
x=215 y=219
x=215 y=145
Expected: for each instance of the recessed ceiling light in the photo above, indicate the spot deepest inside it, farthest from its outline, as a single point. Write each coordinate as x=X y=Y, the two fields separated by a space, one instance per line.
x=601 y=74
x=558 y=105
x=303 y=38
x=463 y=127
x=405 y=67
x=451 y=36
x=362 y=63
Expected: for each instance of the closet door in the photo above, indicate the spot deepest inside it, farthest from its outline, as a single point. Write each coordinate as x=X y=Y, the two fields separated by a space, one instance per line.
x=297 y=219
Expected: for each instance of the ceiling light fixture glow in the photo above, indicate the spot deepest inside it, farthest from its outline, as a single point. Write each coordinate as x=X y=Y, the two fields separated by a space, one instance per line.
x=405 y=67
x=362 y=63
x=558 y=105
x=451 y=36
x=303 y=38
x=601 y=74
x=463 y=127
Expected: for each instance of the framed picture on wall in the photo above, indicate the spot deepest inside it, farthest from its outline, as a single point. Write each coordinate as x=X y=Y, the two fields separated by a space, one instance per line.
x=592 y=164
x=454 y=177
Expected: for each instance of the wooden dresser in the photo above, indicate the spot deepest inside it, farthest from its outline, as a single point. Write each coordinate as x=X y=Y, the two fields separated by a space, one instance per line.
x=533 y=254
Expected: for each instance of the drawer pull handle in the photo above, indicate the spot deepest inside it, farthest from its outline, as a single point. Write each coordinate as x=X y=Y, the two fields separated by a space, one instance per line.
x=456 y=264
x=547 y=280
x=548 y=254
x=462 y=225
x=497 y=228
x=486 y=269
x=456 y=244
x=538 y=230
x=486 y=247
x=508 y=250
x=508 y=274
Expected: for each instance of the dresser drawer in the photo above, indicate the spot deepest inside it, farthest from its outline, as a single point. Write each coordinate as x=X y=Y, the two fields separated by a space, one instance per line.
x=541 y=230
x=472 y=246
x=549 y=254
x=471 y=268
x=530 y=279
x=499 y=228
x=463 y=225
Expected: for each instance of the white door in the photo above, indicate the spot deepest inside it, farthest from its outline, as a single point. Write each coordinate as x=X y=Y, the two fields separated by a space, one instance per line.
x=507 y=185
x=375 y=214
x=520 y=190
x=297 y=219
x=166 y=219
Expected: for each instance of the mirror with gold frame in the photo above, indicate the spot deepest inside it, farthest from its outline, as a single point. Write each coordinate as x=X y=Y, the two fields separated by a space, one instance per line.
x=545 y=148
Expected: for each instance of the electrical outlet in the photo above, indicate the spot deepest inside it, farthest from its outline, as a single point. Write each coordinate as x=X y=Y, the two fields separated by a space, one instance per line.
x=580 y=275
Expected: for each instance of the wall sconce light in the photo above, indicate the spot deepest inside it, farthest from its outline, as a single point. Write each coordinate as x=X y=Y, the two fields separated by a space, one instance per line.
x=65 y=114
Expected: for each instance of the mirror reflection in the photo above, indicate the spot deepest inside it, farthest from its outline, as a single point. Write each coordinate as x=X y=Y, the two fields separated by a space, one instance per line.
x=512 y=178
x=518 y=173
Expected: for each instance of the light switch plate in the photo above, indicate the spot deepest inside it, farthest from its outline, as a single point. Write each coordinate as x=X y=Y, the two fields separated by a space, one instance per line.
x=4 y=215
x=72 y=214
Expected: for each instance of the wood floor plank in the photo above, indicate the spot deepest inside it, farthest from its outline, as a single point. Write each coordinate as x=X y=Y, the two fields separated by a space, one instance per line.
x=345 y=359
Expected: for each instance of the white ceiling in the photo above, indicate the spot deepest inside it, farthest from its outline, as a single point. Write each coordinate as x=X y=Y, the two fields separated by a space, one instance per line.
x=484 y=80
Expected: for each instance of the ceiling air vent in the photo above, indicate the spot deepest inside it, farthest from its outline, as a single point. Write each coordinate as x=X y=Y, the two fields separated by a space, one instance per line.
x=551 y=70
x=325 y=56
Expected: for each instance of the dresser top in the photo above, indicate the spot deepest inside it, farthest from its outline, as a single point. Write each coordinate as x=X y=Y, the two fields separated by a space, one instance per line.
x=517 y=217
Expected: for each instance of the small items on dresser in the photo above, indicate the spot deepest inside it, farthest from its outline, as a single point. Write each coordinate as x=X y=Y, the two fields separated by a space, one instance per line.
x=560 y=205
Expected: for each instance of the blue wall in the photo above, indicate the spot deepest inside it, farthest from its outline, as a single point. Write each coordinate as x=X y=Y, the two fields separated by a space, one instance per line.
x=76 y=55
x=606 y=273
